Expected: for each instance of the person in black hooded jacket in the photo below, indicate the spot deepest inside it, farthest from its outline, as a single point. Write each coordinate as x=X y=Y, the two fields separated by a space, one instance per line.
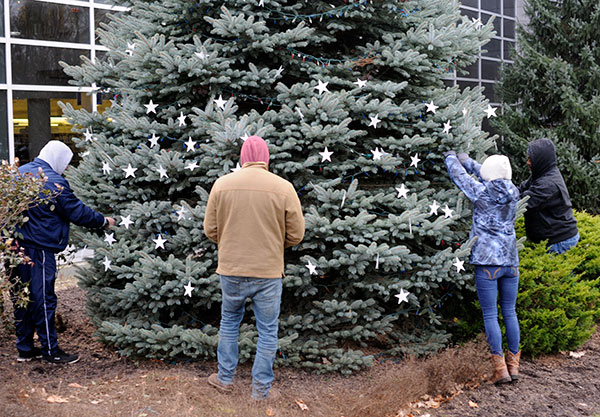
x=549 y=214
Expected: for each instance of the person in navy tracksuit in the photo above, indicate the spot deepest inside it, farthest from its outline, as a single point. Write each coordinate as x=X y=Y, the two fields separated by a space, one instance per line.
x=44 y=234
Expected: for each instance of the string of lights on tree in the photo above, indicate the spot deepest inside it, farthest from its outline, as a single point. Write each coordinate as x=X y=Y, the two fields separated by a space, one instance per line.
x=326 y=155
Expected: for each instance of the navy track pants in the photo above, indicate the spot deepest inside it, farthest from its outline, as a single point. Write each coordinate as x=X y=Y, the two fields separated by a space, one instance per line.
x=39 y=314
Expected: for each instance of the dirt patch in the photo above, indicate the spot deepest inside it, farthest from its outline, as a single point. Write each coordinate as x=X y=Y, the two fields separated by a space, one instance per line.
x=566 y=384
x=104 y=384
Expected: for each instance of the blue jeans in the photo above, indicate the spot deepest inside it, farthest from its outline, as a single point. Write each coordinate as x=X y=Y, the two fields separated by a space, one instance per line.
x=265 y=294
x=491 y=280
x=565 y=245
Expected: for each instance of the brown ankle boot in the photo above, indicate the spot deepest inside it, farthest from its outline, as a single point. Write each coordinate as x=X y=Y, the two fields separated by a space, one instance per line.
x=512 y=364
x=501 y=375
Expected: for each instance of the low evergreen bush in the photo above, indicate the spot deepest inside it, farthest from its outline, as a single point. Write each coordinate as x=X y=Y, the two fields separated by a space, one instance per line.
x=559 y=295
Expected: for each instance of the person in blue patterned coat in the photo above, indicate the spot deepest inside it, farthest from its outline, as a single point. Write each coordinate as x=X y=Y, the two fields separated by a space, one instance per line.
x=494 y=253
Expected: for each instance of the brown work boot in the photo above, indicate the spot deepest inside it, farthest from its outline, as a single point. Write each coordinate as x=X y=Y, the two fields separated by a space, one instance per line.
x=512 y=364
x=501 y=375
x=214 y=381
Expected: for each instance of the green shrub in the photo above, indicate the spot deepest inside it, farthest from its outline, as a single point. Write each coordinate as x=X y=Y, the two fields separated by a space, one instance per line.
x=17 y=193
x=559 y=295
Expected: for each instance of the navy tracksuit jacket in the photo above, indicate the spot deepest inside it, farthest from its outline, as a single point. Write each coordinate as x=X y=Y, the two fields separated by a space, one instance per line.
x=44 y=234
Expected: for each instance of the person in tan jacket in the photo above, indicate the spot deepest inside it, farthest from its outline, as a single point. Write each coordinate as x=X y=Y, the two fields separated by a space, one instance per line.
x=252 y=215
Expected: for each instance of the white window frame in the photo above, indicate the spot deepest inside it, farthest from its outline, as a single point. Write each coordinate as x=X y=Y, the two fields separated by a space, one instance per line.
x=8 y=41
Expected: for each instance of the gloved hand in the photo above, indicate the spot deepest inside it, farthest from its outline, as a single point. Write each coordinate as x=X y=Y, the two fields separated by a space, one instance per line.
x=462 y=157
x=448 y=153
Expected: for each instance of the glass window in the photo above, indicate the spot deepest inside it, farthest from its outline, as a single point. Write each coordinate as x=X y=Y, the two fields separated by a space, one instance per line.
x=470 y=3
x=488 y=91
x=492 y=48
x=1 y=18
x=485 y=18
x=449 y=83
x=489 y=69
x=37 y=119
x=101 y=16
x=472 y=71
x=509 y=50
x=470 y=14
x=103 y=101
x=491 y=5
x=509 y=8
x=49 y=21
x=486 y=126
x=39 y=64
x=509 y=28
x=467 y=84
x=3 y=127
x=105 y=1
x=2 y=63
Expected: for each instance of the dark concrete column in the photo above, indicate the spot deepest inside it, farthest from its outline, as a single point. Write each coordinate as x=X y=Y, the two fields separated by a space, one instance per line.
x=38 y=113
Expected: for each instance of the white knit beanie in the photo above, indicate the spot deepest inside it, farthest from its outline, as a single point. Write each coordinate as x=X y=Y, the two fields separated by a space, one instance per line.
x=496 y=167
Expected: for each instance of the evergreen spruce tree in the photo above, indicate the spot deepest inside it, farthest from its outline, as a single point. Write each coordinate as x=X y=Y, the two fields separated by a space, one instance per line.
x=552 y=90
x=350 y=97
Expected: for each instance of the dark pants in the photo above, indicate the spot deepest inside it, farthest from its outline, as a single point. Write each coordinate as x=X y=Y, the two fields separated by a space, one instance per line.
x=38 y=315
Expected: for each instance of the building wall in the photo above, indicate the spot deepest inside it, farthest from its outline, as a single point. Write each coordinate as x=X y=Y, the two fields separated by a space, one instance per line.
x=507 y=14
x=34 y=36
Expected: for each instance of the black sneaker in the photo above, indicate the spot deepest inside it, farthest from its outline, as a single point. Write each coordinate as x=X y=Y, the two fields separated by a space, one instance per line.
x=26 y=356
x=61 y=357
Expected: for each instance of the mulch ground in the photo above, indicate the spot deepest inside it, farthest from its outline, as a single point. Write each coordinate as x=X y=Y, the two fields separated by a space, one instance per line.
x=556 y=385
x=452 y=383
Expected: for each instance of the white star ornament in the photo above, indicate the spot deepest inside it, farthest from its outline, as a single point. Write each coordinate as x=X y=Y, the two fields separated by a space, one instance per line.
x=403 y=296
x=312 y=269
x=402 y=191
x=151 y=107
x=459 y=265
x=434 y=208
x=322 y=87
x=326 y=155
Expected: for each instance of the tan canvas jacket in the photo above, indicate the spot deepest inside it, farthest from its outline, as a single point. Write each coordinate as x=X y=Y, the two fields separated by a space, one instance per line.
x=252 y=215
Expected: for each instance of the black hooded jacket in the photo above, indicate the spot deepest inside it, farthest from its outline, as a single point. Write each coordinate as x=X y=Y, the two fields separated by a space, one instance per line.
x=549 y=212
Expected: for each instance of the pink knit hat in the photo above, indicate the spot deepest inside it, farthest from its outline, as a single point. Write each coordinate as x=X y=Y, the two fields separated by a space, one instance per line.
x=255 y=149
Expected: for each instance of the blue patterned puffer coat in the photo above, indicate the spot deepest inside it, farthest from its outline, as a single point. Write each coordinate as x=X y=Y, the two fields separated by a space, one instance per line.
x=494 y=211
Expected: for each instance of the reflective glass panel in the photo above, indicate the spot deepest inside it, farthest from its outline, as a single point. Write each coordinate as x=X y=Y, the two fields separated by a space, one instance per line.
x=3 y=127
x=509 y=28
x=486 y=127
x=508 y=50
x=101 y=16
x=2 y=63
x=39 y=64
x=493 y=48
x=470 y=3
x=472 y=71
x=465 y=84
x=49 y=21
x=509 y=8
x=470 y=14
x=449 y=83
x=37 y=119
x=485 y=18
x=491 y=5
x=2 y=18
x=489 y=69
x=488 y=92
x=103 y=101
